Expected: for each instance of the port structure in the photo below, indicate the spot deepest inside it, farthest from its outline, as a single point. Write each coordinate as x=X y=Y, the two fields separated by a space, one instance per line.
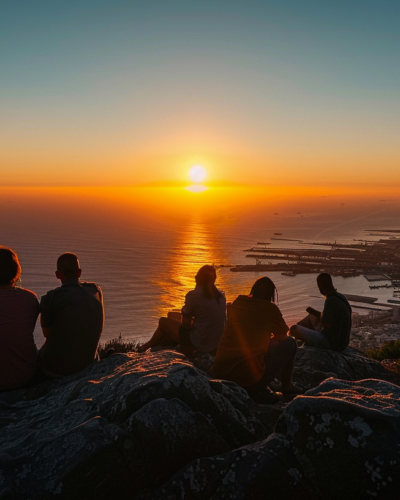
x=366 y=256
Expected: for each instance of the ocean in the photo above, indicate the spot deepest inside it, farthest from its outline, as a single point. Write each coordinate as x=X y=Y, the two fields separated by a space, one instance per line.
x=144 y=245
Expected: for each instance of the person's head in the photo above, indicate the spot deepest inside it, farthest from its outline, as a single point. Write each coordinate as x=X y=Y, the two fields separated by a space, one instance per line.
x=264 y=288
x=68 y=267
x=325 y=284
x=205 y=276
x=10 y=268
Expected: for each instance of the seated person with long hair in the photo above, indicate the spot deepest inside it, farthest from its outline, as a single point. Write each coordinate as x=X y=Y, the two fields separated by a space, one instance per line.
x=202 y=321
x=19 y=309
x=255 y=347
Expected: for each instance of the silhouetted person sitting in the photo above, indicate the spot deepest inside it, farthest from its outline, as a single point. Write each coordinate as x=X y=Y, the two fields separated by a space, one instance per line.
x=19 y=309
x=255 y=347
x=331 y=329
x=202 y=321
x=72 y=319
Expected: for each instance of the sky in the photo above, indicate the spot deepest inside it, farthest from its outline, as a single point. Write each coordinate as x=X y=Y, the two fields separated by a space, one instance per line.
x=288 y=92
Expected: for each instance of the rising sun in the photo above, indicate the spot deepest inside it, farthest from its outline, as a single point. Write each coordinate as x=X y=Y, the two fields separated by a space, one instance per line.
x=197 y=173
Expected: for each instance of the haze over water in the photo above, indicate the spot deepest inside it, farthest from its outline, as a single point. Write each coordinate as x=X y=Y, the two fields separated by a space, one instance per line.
x=143 y=246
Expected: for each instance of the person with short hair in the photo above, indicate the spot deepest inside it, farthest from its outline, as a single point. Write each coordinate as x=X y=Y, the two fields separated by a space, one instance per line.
x=19 y=309
x=202 y=320
x=255 y=347
x=331 y=329
x=72 y=320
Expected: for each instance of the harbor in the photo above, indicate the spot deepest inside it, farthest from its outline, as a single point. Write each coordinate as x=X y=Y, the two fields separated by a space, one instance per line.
x=377 y=261
x=369 y=258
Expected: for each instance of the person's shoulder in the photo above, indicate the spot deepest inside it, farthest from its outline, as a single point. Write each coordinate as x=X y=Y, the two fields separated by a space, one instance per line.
x=52 y=292
x=90 y=284
x=198 y=291
x=274 y=308
x=337 y=296
x=241 y=299
x=27 y=293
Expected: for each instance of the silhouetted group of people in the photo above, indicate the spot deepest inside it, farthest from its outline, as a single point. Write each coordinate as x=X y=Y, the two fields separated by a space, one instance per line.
x=252 y=344
x=71 y=317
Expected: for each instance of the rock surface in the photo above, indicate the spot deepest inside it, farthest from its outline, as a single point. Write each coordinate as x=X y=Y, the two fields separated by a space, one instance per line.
x=315 y=365
x=339 y=441
x=123 y=427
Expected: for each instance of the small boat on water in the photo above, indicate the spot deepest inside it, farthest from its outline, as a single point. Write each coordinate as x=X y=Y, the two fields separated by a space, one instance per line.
x=278 y=234
x=263 y=243
x=288 y=273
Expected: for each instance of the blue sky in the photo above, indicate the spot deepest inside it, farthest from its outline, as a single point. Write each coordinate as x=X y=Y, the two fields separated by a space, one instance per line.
x=277 y=89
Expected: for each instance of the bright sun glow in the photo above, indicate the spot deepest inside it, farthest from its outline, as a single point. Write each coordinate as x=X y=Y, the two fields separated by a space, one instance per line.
x=197 y=173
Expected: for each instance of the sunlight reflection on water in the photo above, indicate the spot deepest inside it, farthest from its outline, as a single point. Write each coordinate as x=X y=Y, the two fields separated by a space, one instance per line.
x=143 y=246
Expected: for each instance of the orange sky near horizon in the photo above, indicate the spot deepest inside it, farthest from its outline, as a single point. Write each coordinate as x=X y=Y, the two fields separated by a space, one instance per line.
x=266 y=93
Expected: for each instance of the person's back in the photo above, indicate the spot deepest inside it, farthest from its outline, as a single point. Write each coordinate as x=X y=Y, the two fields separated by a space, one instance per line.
x=248 y=354
x=240 y=354
x=337 y=313
x=209 y=317
x=331 y=329
x=72 y=319
x=19 y=309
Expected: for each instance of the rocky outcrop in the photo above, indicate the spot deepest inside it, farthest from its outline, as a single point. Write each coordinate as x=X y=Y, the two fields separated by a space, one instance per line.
x=123 y=427
x=118 y=428
x=339 y=441
x=315 y=365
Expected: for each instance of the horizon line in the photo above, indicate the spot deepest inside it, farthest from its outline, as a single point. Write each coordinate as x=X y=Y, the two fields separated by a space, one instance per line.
x=184 y=184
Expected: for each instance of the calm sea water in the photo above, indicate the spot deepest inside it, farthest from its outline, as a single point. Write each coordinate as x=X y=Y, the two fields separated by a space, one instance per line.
x=143 y=246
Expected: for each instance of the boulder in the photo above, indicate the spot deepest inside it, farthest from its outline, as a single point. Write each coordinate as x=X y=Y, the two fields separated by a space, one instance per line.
x=124 y=426
x=120 y=427
x=315 y=365
x=338 y=441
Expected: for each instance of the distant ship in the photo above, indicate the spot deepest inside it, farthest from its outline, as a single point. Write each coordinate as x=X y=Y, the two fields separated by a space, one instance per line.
x=278 y=234
x=288 y=273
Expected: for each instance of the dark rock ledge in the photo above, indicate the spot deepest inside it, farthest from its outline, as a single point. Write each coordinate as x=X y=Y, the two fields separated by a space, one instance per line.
x=153 y=426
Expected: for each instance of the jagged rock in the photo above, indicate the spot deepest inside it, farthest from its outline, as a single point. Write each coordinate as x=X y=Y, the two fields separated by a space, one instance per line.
x=339 y=441
x=122 y=426
x=315 y=365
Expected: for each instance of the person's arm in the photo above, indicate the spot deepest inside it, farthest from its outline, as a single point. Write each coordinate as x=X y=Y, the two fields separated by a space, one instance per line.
x=280 y=328
x=328 y=313
x=186 y=321
x=187 y=310
x=45 y=316
x=45 y=329
x=314 y=312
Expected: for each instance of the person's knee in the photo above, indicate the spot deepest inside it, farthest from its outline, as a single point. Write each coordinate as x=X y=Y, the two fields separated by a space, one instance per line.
x=291 y=345
x=163 y=322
